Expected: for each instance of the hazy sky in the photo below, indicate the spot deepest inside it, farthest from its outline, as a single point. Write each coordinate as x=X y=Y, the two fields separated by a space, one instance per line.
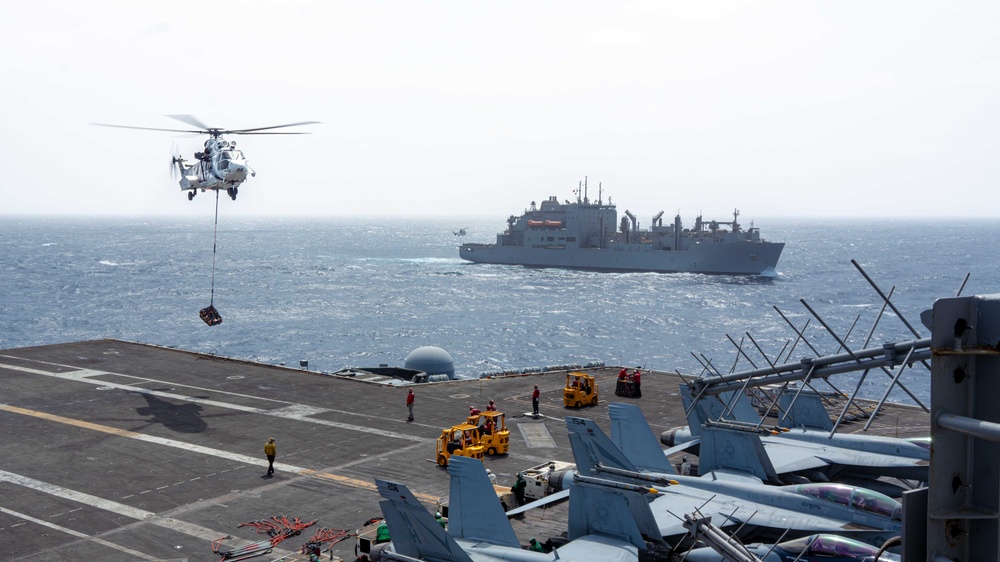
x=797 y=108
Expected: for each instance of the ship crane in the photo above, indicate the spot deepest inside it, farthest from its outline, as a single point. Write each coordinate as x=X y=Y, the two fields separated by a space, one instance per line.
x=658 y=219
x=625 y=224
x=631 y=217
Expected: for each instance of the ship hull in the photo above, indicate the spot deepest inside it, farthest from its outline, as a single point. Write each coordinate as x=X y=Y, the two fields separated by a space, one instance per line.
x=756 y=258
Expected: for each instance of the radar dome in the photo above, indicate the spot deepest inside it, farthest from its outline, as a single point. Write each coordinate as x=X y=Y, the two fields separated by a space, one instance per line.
x=431 y=360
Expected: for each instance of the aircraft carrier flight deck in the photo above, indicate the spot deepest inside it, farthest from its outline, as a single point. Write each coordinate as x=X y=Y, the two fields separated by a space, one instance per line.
x=124 y=451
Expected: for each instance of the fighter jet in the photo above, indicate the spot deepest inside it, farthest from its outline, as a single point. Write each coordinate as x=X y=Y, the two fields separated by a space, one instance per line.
x=601 y=523
x=812 y=453
x=734 y=498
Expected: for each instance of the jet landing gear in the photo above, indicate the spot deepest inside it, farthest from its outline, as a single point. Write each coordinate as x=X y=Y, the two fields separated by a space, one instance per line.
x=190 y=195
x=233 y=191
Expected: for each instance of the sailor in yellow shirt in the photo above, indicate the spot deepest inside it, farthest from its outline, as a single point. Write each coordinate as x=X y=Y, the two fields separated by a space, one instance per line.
x=270 y=449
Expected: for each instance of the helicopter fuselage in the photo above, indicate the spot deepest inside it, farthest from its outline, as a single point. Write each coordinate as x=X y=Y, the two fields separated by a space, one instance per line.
x=219 y=166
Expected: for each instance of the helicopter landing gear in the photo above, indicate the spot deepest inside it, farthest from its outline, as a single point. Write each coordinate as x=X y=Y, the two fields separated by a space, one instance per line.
x=190 y=195
x=232 y=191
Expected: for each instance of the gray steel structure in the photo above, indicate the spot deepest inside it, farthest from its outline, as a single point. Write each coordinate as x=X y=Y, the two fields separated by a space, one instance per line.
x=584 y=234
x=963 y=498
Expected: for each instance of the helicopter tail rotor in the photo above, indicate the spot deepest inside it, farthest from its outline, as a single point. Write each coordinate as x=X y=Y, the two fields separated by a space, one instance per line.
x=175 y=159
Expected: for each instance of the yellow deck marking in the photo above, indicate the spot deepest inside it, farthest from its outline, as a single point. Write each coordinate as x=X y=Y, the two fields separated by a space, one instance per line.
x=298 y=412
x=345 y=480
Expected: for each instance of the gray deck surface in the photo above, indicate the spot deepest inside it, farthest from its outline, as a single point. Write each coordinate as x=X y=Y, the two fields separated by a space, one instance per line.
x=122 y=451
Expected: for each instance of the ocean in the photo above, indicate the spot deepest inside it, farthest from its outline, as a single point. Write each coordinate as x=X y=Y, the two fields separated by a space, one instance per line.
x=342 y=292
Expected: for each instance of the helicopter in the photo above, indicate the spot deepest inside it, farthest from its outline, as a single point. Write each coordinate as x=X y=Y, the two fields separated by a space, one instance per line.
x=220 y=165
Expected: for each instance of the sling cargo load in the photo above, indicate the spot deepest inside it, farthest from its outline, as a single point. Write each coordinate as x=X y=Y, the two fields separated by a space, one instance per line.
x=583 y=234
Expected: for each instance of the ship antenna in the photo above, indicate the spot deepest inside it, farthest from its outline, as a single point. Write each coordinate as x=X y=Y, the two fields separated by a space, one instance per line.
x=586 y=201
x=599 y=193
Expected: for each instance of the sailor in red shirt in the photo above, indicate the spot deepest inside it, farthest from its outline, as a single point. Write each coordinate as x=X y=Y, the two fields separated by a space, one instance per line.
x=409 y=405
x=534 y=401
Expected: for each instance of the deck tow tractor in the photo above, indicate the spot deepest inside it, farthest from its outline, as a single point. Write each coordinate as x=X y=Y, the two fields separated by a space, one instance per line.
x=493 y=433
x=580 y=390
x=462 y=440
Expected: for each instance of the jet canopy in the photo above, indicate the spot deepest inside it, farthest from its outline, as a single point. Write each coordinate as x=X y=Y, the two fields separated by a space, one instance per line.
x=829 y=545
x=858 y=498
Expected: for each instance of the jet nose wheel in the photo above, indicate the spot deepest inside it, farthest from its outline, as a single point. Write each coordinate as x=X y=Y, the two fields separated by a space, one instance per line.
x=190 y=195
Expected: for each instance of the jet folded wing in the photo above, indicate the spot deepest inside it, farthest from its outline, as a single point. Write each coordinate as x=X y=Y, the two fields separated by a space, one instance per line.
x=788 y=458
x=669 y=510
x=792 y=456
x=596 y=547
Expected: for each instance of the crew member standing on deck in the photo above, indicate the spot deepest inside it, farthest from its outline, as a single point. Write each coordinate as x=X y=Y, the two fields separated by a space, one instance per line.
x=635 y=383
x=270 y=449
x=534 y=401
x=518 y=489
x=409 y=405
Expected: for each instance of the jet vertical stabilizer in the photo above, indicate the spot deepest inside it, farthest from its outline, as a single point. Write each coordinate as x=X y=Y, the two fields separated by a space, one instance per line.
x=415 y=533
x=631 y=433
x=808 y=411
x=593 y=447
x=733 y=451
x=595 y=510
x=712 y=408
x=474 y=512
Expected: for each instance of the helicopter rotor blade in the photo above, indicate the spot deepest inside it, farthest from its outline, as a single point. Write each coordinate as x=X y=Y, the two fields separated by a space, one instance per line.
x=144 y=128
x=191 y=120
x=239 y=133
x=250 y=131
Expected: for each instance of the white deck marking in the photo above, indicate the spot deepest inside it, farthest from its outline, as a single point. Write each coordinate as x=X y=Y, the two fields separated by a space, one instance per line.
x=79 y=535
x=236 y=457
x=244 y=459
x=536 y=435
x=298 y=412
x=190 y=529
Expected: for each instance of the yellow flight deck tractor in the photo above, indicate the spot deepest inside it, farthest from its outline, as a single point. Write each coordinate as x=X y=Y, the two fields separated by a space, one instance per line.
x=493 y=432
x=462 y=440
x=581 y=389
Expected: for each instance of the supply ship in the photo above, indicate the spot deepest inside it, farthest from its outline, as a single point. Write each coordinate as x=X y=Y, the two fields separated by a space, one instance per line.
x=583 y=234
